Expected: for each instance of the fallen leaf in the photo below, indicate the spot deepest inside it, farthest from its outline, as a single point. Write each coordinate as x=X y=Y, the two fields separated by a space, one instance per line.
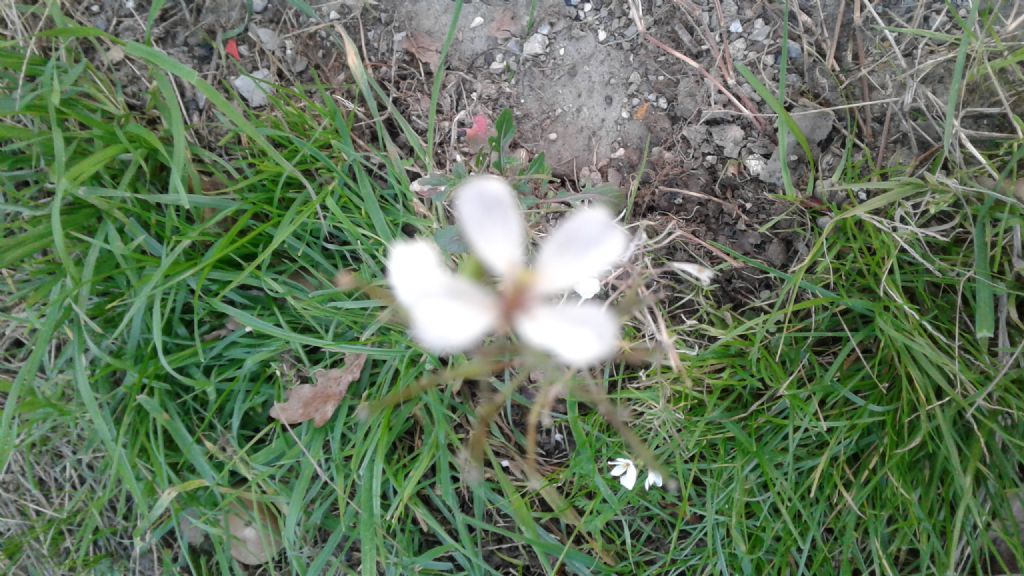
x=478 y=134
x=346 y=280
x=504 y=24
x=230 y=327
x=318 y=402
x=255 y=532
x=114 y=55
x=430 y=186
x=231 y=47
x=423 y=47
x=642 y=111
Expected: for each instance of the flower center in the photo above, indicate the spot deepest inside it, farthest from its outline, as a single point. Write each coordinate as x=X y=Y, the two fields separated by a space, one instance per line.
x=516 y=295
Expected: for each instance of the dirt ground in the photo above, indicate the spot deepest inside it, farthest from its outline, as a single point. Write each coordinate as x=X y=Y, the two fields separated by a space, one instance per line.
x=607 y=87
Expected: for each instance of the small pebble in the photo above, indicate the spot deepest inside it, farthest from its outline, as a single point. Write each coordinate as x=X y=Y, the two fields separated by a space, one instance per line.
x=587 y=6
x=760 y=32
x=258 y=6
x=334 y=15
x=553 y=136
x=602 y=35
x=476 y=22
x=95 y=8
x=253 y=89
x=736 y=27
x=535 y=45
x=662 y=102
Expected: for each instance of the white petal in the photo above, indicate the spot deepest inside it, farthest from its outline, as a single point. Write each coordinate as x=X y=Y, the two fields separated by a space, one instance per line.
x=619 y=466
x=454 y=318
x=628 y=480
x=578 y=334
x=653 y=479
x=584 y=245
x=703 y=274
x=488 y=215
x=415 y=268
x=587 y=288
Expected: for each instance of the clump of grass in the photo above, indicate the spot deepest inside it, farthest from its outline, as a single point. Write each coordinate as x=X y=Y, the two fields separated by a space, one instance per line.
x=160 y=297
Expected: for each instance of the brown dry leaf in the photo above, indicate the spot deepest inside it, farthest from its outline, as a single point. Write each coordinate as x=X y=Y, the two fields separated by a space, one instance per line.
x=346 y=280
x=230 y=327
x=504 y=24
x=114 y=55
x=255 y=532
x=642 y=111
x=423 y=47
x=318 y=402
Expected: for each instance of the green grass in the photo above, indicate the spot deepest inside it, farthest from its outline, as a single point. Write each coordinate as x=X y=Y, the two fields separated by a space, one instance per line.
x=867 y=418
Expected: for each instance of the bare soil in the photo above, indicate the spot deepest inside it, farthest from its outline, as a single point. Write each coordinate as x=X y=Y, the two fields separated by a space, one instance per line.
x=599 y=87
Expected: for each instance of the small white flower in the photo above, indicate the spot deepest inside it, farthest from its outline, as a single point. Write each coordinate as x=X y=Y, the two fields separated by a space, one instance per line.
x=449 y=313
x=625 y=471
x=653 y=479
x=703 y=274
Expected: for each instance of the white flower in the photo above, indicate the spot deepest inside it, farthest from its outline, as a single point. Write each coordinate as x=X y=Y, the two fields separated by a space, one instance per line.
x=703 y=274
x=449 y=313
x=625 y=471
x=653 y=479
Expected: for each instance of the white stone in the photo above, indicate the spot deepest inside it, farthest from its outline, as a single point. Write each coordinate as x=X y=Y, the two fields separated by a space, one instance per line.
x=602 y=35
x=258 y=6
x=267 y=38
x=756 y=164
x=736 y=27
x=535 y=45
x=476 y=22
x=253 y=89
x=760 y=32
